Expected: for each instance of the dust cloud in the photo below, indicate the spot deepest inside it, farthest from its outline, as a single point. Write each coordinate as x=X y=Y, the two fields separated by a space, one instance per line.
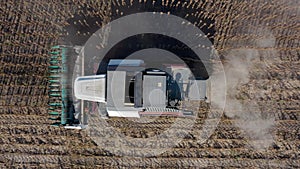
x=247 y=114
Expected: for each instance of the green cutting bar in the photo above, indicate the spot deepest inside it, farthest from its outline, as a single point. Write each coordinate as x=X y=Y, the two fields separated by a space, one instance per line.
x=55 y=71
x=54 y=67
x=64 y=114
x=54 y=91
x=54 y=57
x=54 y=81
x=51 y=108
x=53 y=113
x=55 y=95
x=55 y=53
x=55 y=104
x=54 y=85
x=54 y=118
x=55 y=76
x=56 y=47
x=58 y=85
x=53 y=62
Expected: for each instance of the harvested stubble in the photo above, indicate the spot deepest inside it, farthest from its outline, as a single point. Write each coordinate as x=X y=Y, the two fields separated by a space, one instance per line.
x=29 y=28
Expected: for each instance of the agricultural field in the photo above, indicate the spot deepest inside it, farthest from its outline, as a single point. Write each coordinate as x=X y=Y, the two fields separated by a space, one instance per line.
x=258 y=42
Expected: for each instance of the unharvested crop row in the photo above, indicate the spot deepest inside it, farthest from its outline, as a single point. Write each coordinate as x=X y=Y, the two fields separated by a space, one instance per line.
x=22 y=90
x=21 y=101
x=286 y=118
x=171 y=153
x=30 y=14
x=289 y=135
x=41 y=130
x=87 y=148
x=25 y=110
x=290 y=55
x=261 y=96
x=275 y=85
x=10 y=48
x=22 y=59
x=283 y=106
x=288 y=115
x=88 y=162
x=25 y=79
x=228 y=153
x=43 y=140
x=8 y=119
x=276 y=75
x=18 y=69
x=222 y=128
x=281 y=134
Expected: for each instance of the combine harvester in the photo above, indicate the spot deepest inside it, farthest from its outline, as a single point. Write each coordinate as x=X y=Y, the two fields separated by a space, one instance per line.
x=128 y=89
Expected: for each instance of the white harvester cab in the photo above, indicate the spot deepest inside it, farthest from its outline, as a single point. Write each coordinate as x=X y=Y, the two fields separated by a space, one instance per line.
x=130 y=90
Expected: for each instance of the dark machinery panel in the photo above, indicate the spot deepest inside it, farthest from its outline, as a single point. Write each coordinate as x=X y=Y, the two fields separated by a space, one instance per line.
x=154 y=91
